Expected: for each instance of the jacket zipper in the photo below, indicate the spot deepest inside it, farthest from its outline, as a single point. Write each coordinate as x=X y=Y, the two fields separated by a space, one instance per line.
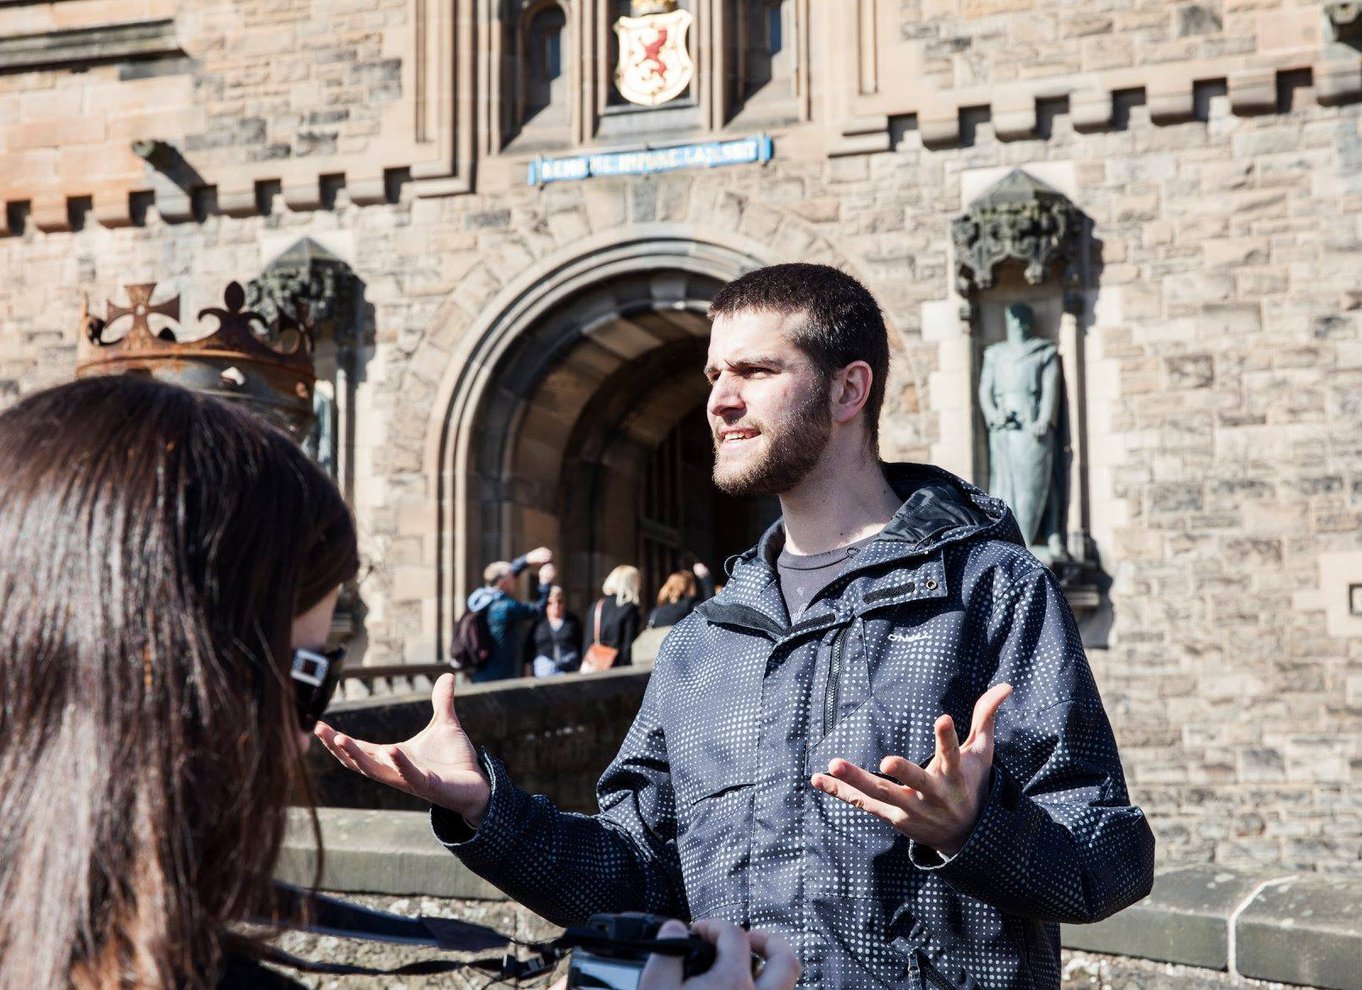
x=932 y=975
x=830 y=696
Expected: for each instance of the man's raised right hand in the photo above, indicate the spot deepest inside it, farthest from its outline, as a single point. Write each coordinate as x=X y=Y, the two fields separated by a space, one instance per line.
x=438 y=764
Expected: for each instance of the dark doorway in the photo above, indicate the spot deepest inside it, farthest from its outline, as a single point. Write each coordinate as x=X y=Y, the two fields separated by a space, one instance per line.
x=681 y=513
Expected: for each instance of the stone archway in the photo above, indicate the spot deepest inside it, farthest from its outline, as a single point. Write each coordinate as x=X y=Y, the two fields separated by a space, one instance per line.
x=472 y=378
x=556 y=403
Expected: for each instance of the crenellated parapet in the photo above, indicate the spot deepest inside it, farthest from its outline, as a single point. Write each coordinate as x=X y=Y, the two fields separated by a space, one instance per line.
x=111 y=111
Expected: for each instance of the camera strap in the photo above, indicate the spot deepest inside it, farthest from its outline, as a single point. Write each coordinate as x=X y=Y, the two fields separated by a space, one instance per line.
x=306 y=910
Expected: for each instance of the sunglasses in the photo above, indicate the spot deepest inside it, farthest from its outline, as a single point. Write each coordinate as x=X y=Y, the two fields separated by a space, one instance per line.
x=315 y=674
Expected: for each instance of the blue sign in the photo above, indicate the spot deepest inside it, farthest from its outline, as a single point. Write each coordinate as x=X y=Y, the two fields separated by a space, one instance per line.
x=649 y=160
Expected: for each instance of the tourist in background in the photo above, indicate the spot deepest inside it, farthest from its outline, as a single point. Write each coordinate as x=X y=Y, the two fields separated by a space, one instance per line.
x=614 y=621
x=170 y=571
x=704 y=577
x=504 y=612
x=555 y=644
x=675 y=601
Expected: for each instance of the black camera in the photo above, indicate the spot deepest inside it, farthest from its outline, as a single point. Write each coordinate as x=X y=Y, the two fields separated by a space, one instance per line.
x=611 y=951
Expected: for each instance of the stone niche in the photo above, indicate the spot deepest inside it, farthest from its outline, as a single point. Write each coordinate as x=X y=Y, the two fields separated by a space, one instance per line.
x=309 y=287
x=1024 y=270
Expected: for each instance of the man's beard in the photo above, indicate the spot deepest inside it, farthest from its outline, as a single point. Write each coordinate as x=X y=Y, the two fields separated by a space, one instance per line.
x=793 y=447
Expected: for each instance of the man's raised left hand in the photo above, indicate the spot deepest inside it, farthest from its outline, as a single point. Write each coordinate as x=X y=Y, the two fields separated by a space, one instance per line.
x=936 y=805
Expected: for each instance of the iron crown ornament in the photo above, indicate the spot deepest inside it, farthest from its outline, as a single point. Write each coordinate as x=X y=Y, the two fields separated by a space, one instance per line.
x=242 y=360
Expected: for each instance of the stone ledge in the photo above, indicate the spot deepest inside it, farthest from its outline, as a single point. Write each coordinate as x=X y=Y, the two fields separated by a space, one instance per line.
x=377 y=852
x=1184 y=920
x=1304 y=930
x=1301 y=930
x=79 y=48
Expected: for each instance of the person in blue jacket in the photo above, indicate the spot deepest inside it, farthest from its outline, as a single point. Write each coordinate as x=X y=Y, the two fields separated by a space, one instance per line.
x=505 y=611
x=881 y=741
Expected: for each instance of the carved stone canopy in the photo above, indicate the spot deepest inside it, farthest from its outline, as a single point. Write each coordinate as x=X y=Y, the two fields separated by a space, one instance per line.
x=306 y=286
x=1018 y=219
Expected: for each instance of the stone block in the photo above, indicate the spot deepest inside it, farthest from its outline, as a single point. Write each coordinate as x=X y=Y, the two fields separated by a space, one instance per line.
x=366 y=190
x=1090 y=109
x=1170 y=100
x=1235 y=252
x=1253 y=91
x=1184 y=919
x=569 y=226
x=25 y=172
x=1103 y=53
x=1290 y=28
x=51 y=214
x=238 y=200
x=606 y=203
x=55 y=133
x=940 y=129
x=987 y=8
x=1230 y=318
x=112 y=208
x=1305 y=931
x=1338 y=80
x=303 y=195
x=1196 y=19
x=173 y=205
x=1014 y=116
x=1190 y=371
x=44 y=105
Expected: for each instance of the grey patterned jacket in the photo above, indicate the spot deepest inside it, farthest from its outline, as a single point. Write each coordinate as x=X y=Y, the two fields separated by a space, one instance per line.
x=708 y=810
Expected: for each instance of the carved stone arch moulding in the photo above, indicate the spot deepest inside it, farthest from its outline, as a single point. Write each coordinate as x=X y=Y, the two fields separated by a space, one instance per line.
x=478 y=324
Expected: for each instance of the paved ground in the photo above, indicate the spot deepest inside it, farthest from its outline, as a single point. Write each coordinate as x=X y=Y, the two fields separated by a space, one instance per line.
x=1082 y=971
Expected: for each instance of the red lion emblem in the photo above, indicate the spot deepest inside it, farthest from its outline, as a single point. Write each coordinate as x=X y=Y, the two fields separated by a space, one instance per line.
x=652 y=53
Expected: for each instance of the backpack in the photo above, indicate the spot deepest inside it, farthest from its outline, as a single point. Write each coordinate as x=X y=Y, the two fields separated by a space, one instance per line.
x=473 y=644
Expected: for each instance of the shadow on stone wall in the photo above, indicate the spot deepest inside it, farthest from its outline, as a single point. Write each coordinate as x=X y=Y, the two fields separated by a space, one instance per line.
x=555 y=735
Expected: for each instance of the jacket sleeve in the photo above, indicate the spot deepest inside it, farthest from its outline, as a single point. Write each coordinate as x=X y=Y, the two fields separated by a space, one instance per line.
x=518 y=610
x=568 y=866
x=1057 y=839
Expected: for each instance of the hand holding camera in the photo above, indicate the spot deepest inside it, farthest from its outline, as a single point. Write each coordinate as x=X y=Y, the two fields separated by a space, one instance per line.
x=644 y=952
x=743 y=960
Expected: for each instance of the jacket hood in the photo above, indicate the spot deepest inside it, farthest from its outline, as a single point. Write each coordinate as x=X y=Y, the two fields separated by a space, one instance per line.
x=938 y=508
x=482 y=597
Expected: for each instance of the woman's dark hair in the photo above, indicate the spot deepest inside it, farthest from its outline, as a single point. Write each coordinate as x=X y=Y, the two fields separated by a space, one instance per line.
x=157 y=546
x=842 y=322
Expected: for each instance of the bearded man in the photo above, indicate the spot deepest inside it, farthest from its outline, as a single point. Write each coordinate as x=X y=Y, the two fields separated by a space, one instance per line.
x=882 y=740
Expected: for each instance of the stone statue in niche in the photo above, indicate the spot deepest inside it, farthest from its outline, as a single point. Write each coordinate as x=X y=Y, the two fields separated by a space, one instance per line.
x=1021 y=394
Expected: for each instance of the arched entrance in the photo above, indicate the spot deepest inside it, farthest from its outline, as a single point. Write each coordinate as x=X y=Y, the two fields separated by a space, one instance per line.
x=577 y=422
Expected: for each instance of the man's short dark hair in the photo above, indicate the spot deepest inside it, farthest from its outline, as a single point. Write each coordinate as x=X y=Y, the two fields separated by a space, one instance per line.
x=842 y=321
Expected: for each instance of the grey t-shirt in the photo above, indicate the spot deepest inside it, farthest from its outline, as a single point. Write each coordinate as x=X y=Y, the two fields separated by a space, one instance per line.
x=802 y=577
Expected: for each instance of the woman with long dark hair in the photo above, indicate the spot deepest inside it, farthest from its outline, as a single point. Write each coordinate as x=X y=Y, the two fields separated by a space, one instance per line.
x=168 y=570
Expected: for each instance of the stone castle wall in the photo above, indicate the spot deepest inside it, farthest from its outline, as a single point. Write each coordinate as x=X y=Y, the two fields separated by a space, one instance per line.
x=1224 y=369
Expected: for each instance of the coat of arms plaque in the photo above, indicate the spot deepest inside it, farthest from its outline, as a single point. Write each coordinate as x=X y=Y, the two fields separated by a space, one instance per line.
x=655 y=64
